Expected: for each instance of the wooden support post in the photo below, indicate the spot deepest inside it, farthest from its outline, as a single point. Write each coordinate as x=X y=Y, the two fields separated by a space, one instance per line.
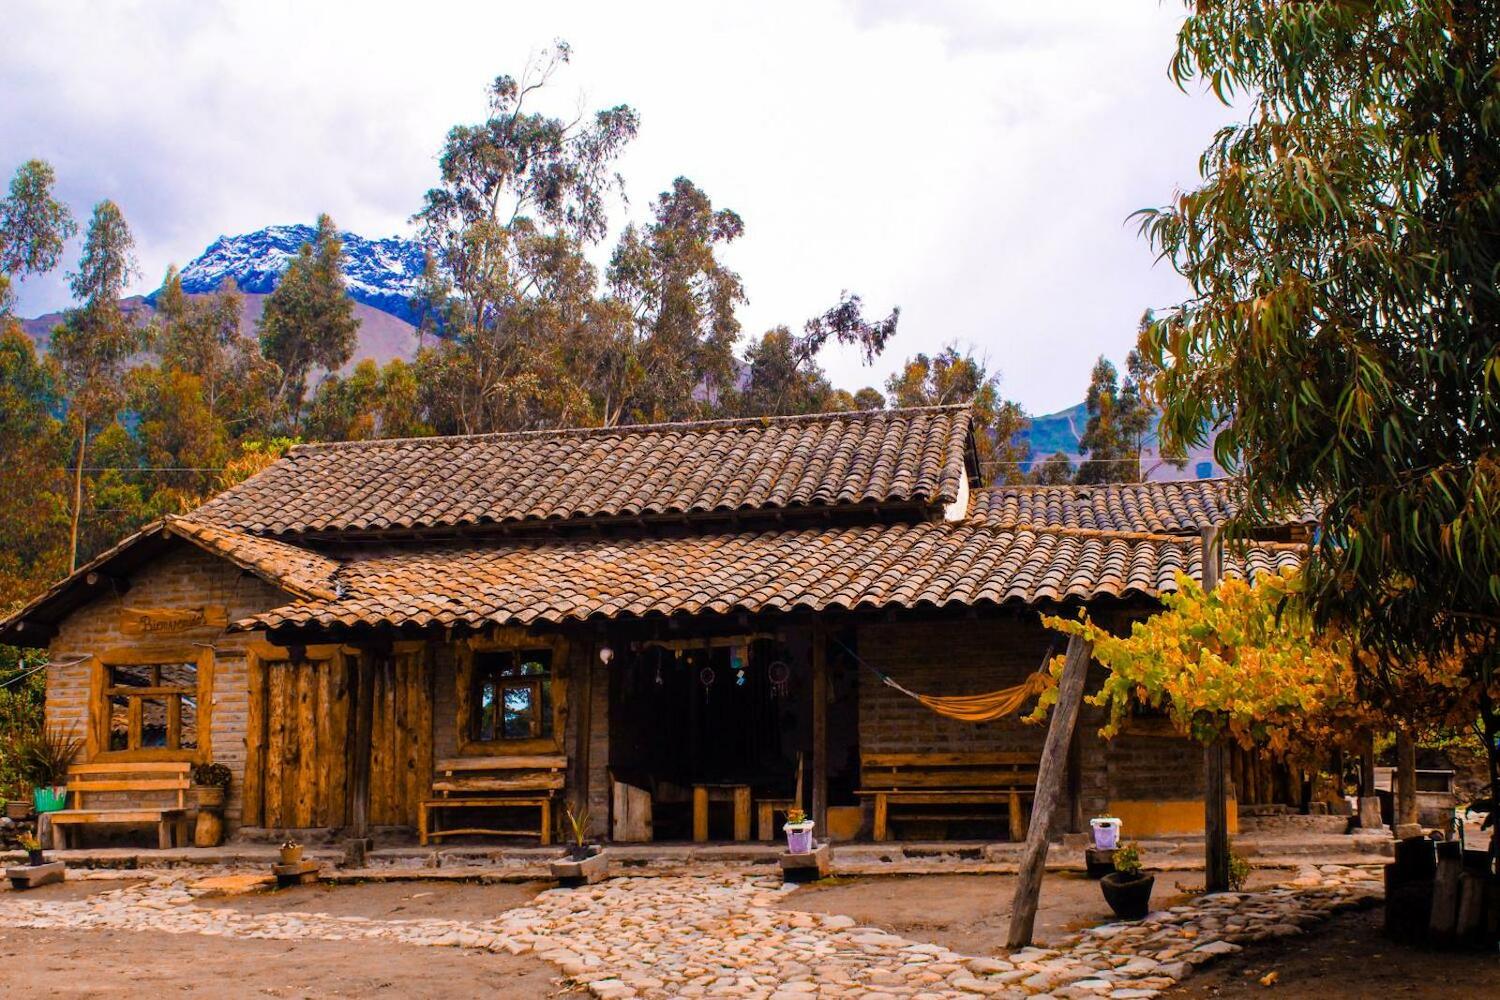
x=1215 y=756
x=820 y=728
x=1050 y=776
x=582 y=696
x=1406 y=783
x=362 y=726
x=1369 y=800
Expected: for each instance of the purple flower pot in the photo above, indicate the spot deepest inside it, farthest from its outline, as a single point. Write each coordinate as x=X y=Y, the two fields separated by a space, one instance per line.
x=799 y=837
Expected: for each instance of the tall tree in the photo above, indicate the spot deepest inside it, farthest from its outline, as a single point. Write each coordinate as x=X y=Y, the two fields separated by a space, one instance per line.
x=682 y=300
x=1344 y=315
x=96 y=339
x=951 y=376
x=33 y=453
x=33 y=227
x=522 y=195
x=782 y=372
x=308 y=322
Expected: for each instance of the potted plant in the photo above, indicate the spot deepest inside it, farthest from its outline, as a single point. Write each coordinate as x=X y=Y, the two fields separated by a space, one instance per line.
x=45 y=757
x=584 y=863
x=210 y=788
x=291 y=852
x=33 y=849
x=1127 y=889
x=1106 y=832
x=579 y=848
x=799 y=831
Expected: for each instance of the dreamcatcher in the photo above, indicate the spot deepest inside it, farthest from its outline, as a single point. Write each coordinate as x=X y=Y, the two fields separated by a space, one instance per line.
x=780 y=676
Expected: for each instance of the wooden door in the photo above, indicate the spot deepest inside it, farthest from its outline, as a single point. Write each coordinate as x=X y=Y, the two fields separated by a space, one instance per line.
x=401 y=736
x=297 y=761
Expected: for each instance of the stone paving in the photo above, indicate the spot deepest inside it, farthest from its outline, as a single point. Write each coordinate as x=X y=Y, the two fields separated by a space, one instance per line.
x=722 y=935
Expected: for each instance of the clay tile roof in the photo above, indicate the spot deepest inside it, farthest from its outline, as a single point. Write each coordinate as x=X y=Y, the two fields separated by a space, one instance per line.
x=926 y=564
x=823 y=460
x=292 y=568
x=1171 y=508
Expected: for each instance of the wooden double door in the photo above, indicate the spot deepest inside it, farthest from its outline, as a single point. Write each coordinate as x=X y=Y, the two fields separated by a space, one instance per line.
x=300 y=742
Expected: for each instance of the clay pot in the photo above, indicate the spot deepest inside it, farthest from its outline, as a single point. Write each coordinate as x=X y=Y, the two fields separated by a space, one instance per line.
x=291 y=855
x=1129 y=895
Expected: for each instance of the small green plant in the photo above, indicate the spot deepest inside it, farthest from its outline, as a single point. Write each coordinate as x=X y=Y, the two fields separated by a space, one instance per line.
x=795 y=815
x=1239 y=871
x=29 y=842
x=578 y=825
x=1128 y=859
x=46 y=754
x=216 y=775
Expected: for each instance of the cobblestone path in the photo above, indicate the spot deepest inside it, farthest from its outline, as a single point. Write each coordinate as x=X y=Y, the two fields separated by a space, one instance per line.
x=722 y=936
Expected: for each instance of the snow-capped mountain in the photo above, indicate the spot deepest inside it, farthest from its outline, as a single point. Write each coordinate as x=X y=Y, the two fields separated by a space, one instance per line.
x=382 y=273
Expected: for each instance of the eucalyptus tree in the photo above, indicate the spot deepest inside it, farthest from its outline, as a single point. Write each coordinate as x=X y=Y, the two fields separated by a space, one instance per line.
x=1343 y=324
x=522 y=195
x=34 y=226
x=96 y=340
x=954 y=376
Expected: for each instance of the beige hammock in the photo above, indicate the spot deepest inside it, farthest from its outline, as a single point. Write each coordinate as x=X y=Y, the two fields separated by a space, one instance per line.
x=972 y=707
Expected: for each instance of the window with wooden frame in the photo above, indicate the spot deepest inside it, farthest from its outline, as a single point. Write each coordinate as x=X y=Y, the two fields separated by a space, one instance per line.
x=511 y=696
x=152 y=705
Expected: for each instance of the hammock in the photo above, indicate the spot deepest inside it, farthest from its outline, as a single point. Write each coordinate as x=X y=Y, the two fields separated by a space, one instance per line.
x=971 y=707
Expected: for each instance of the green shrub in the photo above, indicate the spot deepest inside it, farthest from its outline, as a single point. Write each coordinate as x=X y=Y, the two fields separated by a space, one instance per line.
x=1128 y=859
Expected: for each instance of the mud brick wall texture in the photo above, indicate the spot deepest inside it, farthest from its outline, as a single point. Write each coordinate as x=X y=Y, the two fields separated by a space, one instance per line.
x=184 y=578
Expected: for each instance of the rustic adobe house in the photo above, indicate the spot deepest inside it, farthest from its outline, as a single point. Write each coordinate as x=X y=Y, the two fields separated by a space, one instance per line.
x=656 y=622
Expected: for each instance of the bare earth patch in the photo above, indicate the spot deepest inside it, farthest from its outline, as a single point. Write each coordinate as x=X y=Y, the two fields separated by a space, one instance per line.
x=109 y=963
x=971 y=913
x=1348 y=959
x=388 y=900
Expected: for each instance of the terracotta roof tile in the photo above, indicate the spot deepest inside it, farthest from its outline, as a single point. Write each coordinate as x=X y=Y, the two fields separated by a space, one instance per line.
x=823 y=460
x=1172 y=508
x=903 y=565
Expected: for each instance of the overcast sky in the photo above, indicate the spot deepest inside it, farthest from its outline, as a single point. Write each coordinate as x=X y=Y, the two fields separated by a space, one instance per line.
x=972 y=162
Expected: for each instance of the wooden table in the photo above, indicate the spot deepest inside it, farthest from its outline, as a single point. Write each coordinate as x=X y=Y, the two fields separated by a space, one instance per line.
x=706 y=793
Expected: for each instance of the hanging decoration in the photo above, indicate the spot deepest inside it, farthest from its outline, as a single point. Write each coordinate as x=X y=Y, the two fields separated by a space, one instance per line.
x=780 y=676
x=737 y=659
x=706 y=678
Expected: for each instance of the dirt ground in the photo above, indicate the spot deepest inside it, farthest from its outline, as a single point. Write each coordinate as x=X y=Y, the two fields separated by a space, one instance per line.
x=971 y=913
x=389 y=900
x=1347 y=959
x=77 y=964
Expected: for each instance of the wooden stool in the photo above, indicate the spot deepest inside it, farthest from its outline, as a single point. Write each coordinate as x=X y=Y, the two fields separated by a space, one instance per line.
x=738 y=794
x=765 y=818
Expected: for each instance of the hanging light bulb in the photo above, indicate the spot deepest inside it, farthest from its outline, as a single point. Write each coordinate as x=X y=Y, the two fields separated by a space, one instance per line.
x=605 y=655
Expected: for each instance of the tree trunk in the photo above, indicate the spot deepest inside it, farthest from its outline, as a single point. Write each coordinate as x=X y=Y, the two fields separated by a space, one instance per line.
x=83 y=437
x=1406 y=780
x=1050 y=775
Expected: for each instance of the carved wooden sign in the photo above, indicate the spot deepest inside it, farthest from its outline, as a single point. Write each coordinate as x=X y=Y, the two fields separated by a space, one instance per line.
x=167 y=621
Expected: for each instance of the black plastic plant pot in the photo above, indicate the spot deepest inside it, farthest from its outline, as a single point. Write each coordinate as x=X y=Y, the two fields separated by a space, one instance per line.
x=35 y=858
x=582 y=852
x=1129 y=895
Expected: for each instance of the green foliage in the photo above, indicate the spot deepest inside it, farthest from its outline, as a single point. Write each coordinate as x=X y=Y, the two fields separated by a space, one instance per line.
x=951 y=376
x=1239 y=870
x=213 y=775
x=46 y=753
x=1057 y=470
x=1128 y=859
x=33 y=227
x=22 y=689
x=1119 y=422
x=308 y=322
x=1341 y=329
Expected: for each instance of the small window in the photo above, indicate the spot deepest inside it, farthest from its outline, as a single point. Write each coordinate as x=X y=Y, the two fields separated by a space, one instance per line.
x=153 y=706
x=512 y=696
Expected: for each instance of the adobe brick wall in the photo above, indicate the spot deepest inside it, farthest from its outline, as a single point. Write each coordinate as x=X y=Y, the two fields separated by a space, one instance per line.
x=185 y=577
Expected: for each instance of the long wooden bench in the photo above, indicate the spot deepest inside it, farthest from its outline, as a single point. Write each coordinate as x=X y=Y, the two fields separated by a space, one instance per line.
x=138 y=783
x=948 y=779
x=470 y=783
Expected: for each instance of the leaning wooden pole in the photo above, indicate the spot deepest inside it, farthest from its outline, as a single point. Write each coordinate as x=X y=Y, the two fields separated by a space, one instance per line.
x=1215 y=758
x=1050 y=775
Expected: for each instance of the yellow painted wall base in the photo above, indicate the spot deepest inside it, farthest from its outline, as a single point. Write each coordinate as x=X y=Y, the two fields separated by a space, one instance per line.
x=843 y=822
x=1165 y=817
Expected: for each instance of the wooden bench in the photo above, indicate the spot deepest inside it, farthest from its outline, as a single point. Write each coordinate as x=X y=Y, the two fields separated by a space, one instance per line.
x=949 y=779
x=168 y=779
x=493 y=783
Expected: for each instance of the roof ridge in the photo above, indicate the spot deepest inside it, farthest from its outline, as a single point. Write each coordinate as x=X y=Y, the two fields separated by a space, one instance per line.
x=583 y=432
x=1064 y=487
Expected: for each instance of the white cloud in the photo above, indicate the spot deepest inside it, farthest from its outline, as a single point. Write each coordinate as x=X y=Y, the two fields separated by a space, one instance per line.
x=973 y=162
